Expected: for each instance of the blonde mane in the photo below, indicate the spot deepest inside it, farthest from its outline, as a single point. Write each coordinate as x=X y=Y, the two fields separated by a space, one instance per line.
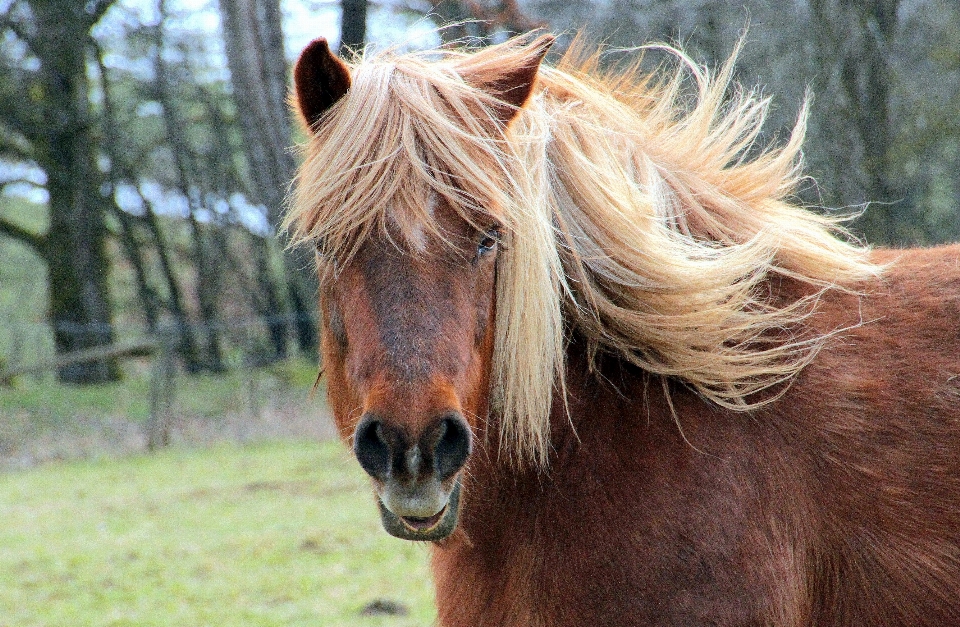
x=640 y=217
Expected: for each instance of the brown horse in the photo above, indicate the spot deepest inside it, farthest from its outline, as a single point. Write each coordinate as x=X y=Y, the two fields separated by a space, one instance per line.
x=583 y=343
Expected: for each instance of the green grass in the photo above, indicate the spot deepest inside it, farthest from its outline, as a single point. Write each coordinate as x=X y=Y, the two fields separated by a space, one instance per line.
x=48 y=403
x=129 y=397
x=274 y=534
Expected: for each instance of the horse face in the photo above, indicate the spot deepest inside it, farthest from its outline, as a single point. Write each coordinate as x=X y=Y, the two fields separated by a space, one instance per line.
x=407 y=343
x=408 y=320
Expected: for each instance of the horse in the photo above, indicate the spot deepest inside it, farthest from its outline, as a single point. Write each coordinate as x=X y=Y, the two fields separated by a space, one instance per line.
x=588 y=344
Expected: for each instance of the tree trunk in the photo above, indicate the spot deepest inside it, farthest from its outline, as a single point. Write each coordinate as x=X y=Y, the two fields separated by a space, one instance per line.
x=76 y=251
x=122 y=169
x=207 y=276
x=854 y=39
x=187 y=341
x=258 y=72
x=353 y=25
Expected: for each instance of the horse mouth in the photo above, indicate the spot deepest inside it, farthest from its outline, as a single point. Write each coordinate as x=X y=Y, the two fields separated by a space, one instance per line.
x=430 y=529
x=422 y=525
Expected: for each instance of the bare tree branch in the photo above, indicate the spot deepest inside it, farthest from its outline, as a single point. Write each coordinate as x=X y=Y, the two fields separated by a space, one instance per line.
x=37 y=242
x=13 y=145
x=21 y=181
x=97 y=9
x=18 y=29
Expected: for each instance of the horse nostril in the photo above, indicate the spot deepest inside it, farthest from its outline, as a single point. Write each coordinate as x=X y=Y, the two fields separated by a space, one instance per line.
x=453 y=446
x=371 y=448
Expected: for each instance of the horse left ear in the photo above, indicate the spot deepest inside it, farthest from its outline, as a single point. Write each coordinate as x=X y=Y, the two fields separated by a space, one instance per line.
x=320 y=79
x=511 y=86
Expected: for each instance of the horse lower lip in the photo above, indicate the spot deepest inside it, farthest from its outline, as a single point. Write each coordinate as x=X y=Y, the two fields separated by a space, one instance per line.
x=423 y=524
x=430 y=529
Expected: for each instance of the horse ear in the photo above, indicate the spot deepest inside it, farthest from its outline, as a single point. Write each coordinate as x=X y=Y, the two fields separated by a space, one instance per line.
x=512 y=85
x=320 y=79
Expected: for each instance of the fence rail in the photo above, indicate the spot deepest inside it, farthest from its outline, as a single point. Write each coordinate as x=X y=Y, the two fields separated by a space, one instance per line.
x=158 y=402
x=137 y=348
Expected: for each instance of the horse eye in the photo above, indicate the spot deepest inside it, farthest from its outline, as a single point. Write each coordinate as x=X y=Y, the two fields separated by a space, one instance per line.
x=489 y=241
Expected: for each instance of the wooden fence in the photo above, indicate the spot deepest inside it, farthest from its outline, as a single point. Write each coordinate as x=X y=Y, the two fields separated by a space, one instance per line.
x=161 y=346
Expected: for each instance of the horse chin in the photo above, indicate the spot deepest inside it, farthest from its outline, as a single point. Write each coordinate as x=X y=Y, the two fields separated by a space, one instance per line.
x=435 y=528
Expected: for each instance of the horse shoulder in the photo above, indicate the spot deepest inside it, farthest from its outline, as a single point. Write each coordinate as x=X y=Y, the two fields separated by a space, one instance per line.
x=876 y=419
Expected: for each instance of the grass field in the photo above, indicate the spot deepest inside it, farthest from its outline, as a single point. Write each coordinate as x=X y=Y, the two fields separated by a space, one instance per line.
x=210 y=533
x=41 y=420
x=264 y=535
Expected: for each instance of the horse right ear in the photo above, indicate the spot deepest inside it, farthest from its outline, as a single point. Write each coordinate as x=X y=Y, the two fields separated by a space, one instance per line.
x=506 y=72
x=320 y=79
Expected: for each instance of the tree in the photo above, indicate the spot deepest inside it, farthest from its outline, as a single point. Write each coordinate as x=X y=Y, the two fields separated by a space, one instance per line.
x=884 y=74
x=258 y=73
x=855 y=40
x=353 y=25
x=52 y=127
x=139 y=235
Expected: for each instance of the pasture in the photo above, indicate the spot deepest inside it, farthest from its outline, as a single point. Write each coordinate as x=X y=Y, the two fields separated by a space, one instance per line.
x=267 y=534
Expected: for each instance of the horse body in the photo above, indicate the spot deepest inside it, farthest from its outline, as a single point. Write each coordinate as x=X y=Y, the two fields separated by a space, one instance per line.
x=582 y=345
x=839 y=504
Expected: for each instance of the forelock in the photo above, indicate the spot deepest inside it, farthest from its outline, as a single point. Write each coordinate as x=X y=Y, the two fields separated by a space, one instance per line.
x=408 y=132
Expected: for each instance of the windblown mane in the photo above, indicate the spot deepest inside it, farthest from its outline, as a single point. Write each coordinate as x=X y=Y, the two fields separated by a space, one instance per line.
x=643 y=220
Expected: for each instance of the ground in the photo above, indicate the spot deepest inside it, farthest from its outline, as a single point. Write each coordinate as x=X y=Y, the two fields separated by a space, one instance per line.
x=281 y=533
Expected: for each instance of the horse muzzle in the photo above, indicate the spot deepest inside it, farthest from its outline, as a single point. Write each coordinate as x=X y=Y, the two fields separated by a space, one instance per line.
x=416 y=477
x=423 y=528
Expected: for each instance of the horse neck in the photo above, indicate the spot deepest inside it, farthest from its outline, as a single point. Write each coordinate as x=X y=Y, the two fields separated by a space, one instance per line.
x=604 y=391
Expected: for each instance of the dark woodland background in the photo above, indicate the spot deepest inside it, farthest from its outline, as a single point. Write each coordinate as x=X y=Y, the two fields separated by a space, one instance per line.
x=145 y=144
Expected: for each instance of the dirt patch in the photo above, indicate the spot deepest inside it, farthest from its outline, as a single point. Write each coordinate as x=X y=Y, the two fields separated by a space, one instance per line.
x=384 y=607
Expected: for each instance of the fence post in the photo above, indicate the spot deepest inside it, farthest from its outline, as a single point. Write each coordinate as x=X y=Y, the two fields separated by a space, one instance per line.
x=162 y=388
x=251 y=363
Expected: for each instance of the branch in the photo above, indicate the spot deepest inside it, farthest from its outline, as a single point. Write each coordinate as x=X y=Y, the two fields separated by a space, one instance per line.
x=97 y=8
x=21 y=181
x=13 y=149
x=138 y=348
x=37 y=242
x=18 y=30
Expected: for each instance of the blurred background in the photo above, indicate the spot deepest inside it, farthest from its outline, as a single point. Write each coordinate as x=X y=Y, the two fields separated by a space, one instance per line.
x=147 y=301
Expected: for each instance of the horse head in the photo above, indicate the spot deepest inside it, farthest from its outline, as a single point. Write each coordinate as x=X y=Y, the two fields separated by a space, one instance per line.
x=408 y=304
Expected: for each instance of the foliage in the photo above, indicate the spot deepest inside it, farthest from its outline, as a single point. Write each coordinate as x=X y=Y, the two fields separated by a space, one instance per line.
x=884 y=77
x=278 y=534
x=161 y=135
